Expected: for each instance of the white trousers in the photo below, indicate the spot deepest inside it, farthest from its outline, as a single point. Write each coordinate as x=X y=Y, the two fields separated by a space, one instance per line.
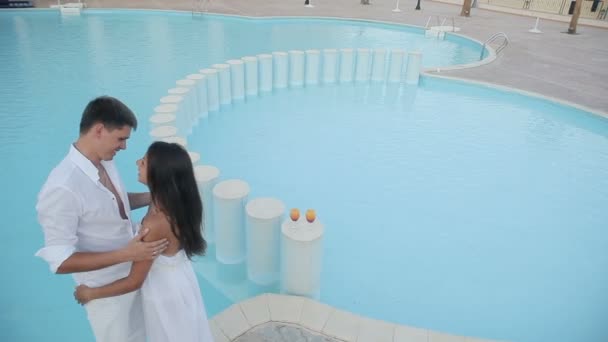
x=117 y=319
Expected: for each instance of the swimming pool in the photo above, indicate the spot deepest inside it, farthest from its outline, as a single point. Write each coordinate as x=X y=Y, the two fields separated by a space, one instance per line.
x=56 y=64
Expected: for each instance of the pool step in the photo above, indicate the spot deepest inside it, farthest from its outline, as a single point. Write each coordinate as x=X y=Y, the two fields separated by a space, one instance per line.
x=439 y=31
x=70 y=8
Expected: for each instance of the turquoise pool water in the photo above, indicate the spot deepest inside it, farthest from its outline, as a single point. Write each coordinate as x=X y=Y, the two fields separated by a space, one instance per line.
x=450 y=207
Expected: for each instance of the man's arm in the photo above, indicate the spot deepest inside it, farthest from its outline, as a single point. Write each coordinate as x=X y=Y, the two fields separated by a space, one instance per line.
x=58 y=214
x=134 y=281
x=138 y=199
x=136 y=250
x=88 y=261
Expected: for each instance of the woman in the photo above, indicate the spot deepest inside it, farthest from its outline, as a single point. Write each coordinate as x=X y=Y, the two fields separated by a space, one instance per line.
x=172 y=303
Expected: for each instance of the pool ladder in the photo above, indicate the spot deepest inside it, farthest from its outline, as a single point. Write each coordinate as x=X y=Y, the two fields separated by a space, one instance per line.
x=199 y=7
x=426 y=26
x=495 y=36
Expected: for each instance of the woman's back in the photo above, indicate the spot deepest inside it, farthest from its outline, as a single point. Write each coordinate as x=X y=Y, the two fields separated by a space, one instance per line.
x=172 y=303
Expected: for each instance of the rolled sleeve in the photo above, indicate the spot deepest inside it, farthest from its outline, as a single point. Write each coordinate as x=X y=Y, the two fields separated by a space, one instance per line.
x=55 y=255
x=58 y=215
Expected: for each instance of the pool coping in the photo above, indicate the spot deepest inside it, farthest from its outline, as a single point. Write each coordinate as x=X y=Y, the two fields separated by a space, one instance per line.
x=317 y=318
x=508 y=89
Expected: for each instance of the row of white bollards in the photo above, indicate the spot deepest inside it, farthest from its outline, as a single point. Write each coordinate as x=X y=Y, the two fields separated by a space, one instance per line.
x=256 y=233
x=237 y=79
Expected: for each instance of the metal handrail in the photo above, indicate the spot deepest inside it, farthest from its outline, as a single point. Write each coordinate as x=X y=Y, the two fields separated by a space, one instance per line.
x=83 y=2
x=200 y=6
x=426 y=26
x=427 y=22
x=495 y=36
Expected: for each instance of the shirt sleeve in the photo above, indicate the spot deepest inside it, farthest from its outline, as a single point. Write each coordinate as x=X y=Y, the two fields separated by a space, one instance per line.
x=58 y=211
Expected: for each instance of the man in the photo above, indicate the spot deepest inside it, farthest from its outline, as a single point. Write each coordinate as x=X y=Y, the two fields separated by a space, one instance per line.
x=84 y=212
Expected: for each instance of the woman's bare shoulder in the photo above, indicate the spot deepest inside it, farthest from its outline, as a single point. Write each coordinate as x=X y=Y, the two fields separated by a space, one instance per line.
x=158 y=225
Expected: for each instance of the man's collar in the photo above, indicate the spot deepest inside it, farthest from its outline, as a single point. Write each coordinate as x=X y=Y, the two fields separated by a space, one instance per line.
x=83 y=163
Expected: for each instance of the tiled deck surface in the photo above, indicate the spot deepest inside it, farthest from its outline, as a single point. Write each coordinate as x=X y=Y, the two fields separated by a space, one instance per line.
x=279 y=318
x=279 y=332
x=571 y=68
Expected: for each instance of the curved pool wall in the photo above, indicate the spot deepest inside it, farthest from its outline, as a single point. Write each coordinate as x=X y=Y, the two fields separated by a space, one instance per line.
x=32 y=132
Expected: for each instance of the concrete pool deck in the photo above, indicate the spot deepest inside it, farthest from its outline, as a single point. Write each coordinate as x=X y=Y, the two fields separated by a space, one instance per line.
x=571 y=68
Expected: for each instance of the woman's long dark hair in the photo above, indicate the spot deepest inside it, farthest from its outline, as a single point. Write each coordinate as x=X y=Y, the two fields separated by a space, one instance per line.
x=174 y=190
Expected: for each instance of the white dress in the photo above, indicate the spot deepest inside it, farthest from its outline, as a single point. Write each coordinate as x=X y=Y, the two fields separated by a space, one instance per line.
x=172 y=302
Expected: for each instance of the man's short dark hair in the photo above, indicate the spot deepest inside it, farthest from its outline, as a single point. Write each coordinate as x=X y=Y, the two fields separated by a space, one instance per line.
x=111 y=112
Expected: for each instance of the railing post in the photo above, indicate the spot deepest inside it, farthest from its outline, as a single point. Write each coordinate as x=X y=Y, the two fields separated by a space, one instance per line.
x=561 y=9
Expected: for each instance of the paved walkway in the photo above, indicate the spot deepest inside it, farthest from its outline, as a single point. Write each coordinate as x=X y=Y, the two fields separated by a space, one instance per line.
x=572 y=68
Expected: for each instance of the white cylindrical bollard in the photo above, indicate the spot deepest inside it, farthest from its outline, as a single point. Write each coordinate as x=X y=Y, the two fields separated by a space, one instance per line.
x=224 y=83
x=301 y=254
x=280 y=71
x=251 y=76
x=296 y=68
x=412 y=72
x=191 y=98
x=185 y=113
x=166 y=109
x=346 y=65
x=378 y=65
x=264 y=217
x=213 y=99
x=180 y=116
x=362 y=67
x=312 y=67
x=185 y=83
x=265 y=72
x=179 y=91
x=237 y=78
x=173 y=100
x=330 y=59
x=162 y=120
x=206 y=178
x=164 y=115
x=195 y=157
x=176 y=140
x=229 y=198
x=161 y=132
x=396 y=65
x=201 y=91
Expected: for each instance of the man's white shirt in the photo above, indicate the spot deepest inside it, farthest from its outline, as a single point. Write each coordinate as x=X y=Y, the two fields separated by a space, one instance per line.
x=79 y=214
